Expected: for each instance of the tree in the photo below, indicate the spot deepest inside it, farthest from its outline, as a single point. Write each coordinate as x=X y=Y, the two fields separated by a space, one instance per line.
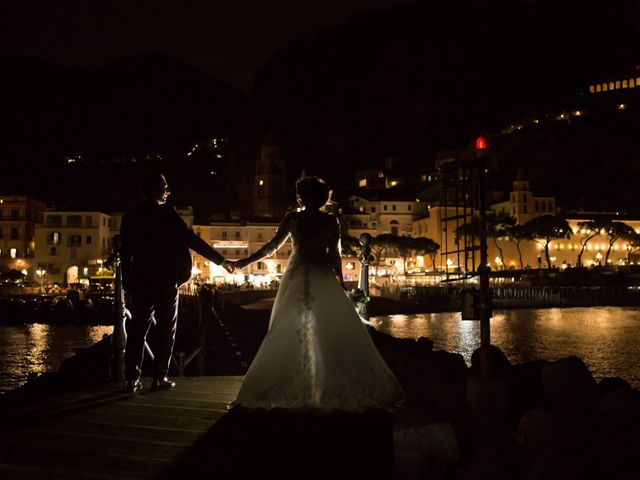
x=587 y=230
x=545 y=229
x=498 y=225
x=426 y=246
x=615 y=231
x=350 y=246
x=405 y=247
x=516 y=234
x=379 y=245
x=633 y=240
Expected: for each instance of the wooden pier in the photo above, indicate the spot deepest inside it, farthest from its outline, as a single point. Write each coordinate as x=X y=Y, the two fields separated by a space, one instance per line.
x=105 y=433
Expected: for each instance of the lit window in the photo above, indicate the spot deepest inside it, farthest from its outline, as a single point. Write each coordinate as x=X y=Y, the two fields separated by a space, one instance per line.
x=637 y=81
x=625 y=84
x=611 y=85
x=592 y=89
x=598 y=88
x=54 y=238
x=618 y=84
x=13 y=252
x=632 y=83
x=362 y=182
x=605 y=87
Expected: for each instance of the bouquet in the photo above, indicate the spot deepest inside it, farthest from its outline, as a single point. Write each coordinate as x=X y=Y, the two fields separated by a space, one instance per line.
x=359 y=297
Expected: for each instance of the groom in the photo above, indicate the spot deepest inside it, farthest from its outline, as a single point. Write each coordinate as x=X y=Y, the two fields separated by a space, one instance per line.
x=155 y=261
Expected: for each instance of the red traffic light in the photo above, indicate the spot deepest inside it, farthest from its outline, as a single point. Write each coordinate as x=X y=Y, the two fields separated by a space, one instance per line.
x=481 y=143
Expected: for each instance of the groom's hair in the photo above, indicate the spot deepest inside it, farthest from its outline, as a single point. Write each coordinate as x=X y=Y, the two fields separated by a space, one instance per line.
x=150 y=182
x=313 y=192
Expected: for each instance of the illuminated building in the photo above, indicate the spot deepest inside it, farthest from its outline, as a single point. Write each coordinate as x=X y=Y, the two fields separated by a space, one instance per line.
x=71 y=245
x=522 y=204
x=19 y=216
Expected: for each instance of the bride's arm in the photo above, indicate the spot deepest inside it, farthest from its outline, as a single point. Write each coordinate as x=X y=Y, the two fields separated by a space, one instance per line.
x=271 y=246
x=335 y=250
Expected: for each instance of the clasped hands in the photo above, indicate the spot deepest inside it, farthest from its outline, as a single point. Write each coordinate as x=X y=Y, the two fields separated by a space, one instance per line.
x=230 y=266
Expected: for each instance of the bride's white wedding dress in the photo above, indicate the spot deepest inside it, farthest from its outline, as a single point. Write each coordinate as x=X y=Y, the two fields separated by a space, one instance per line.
x=317 y=354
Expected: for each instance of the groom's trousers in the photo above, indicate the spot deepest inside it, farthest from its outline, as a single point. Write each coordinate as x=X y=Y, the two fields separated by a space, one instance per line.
x=161 y=304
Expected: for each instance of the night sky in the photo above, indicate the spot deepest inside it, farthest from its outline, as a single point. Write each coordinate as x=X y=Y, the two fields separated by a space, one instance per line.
x=228 y=39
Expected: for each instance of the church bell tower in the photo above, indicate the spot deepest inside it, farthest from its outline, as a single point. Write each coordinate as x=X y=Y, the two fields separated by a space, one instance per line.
x=269 y=183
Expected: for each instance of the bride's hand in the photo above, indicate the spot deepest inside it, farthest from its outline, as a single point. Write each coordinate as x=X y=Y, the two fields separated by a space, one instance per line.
x=240 y=263
x=228 y=266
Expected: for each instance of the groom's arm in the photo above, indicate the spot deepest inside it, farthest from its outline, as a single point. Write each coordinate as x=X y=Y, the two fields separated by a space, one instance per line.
x=193 y=241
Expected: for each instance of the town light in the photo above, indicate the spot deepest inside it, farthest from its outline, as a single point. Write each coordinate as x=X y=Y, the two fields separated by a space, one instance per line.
x=40 y=273
x=481 y=143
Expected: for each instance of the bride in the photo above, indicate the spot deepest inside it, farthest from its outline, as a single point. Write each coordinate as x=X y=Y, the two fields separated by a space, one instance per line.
x=317 y=354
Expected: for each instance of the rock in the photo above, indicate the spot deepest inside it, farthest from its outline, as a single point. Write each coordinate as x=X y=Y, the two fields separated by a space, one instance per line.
x=426 y=451
x=625 y=401
x=487 y=404
x=500 y=364
x=534 y=432
x=609 y=384
x=569 y=385
x=488 y=463
x=526 y=390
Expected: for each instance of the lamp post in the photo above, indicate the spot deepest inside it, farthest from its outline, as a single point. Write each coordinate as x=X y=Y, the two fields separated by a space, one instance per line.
x=363 y=281
x=483 y=269
x=40 y=273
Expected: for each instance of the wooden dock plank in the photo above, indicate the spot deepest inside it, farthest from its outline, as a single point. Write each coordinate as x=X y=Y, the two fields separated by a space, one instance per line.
x=102 y=433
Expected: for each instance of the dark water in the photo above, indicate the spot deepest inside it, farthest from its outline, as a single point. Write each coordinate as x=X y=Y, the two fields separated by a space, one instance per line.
x=38 y=348
x=607 y=338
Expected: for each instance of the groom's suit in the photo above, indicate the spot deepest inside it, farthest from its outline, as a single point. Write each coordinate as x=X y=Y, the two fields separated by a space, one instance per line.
x=155 y=262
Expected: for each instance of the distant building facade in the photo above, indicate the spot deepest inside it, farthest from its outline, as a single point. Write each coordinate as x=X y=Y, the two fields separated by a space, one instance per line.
x=522 y=203
x=19 y=215
x=72 y=245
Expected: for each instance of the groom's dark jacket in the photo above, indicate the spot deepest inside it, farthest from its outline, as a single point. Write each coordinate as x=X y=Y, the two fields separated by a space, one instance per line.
x=155 y=247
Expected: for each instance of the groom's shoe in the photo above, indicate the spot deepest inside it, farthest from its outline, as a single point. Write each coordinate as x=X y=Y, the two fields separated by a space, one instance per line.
x=133 y=386
x=162 y=384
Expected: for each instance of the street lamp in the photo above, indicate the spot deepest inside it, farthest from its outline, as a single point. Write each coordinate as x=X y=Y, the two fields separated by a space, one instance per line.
x=40 y=273
x=484 y=269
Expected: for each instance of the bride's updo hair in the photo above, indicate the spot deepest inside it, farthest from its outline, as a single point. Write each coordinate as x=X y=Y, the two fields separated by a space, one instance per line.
x=313 y=193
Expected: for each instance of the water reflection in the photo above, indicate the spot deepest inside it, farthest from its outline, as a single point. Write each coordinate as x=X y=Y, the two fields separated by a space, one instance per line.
x=607 y=338
x=38 y=348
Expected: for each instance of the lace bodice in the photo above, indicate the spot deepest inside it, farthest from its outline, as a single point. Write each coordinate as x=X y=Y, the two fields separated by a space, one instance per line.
x=315 y=237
